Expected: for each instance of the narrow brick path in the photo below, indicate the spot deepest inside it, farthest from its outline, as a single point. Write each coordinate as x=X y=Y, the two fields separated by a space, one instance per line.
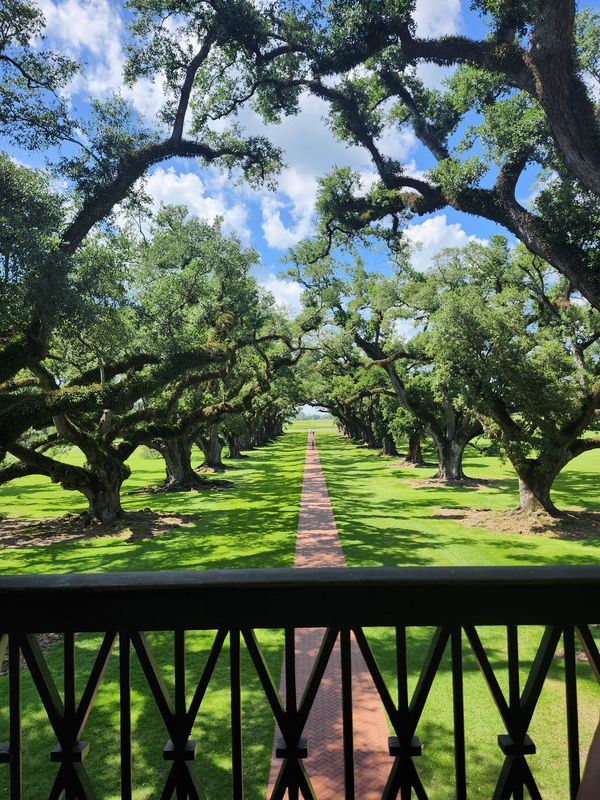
x=318 y=545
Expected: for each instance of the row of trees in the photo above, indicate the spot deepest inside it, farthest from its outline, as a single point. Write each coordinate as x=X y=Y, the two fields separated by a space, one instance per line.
x=74 y=339
x=501 y=345
x=162 y=338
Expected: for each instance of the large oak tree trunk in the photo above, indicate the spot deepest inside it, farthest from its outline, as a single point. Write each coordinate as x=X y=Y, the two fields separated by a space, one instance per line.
x=388 y=447
x=212 y=448
x=536 y=478
x=177 y=453
x=100 y=481
x=104 y=498
x=450 y=453
x=534 y=497
x=233 y=446
x=414 y=454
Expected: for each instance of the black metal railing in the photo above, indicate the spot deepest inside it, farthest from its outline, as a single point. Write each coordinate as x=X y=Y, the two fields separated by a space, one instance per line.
x=345 y=603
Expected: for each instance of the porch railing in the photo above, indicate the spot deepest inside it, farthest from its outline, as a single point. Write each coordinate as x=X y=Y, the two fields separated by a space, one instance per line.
x=564 y=601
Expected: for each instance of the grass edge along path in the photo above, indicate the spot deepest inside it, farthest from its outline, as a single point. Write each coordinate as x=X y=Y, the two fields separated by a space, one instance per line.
x=253 y=525
x=383 y=521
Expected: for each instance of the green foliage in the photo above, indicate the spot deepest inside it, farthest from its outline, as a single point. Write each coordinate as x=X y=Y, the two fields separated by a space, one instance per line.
x=256 y=158
x=471 y=88
x=168 y=333
x=587 y=40
x=115 y=134
x=32 y=112
x=525 y=358
x=32 y=270
x=511 y=128
x=347 y=30
x=454 y=177
x=503 y=14
x=571 y=214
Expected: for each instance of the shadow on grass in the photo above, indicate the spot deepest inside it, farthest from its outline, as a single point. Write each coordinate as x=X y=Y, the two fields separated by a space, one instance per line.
x=383 y=521
x=254 y=526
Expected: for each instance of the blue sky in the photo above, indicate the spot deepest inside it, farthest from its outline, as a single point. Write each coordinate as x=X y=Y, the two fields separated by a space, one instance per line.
x=94 y=31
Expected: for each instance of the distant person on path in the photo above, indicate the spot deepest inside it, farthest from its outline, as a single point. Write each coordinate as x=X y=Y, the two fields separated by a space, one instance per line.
x=311 y=438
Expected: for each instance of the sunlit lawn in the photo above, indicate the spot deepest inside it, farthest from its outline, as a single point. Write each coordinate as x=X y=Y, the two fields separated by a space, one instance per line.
x=253 y=525
x=384 y=522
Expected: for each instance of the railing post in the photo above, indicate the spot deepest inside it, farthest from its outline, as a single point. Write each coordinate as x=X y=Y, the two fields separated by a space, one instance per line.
x=125 y=714
x=14 y=691
x=291 y=705
x=236 y=715
x=459 y=714
x=347 y=722
x=571 y=704
x=514 y=706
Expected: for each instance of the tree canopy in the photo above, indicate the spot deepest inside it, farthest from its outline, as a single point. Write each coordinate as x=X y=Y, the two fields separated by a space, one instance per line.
x=115 y=336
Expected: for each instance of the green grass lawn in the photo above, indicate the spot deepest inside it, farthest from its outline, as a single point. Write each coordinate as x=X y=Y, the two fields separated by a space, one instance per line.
x=384 y=522
x=252 y=525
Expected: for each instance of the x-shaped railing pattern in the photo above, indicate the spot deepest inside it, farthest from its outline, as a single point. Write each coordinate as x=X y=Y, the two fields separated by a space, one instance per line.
x=68 y=715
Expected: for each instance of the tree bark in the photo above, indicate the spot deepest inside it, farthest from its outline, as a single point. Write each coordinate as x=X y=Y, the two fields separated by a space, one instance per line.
x=535 y=497
x=233 y=446
x=177 y=453
x=536 y=477
x=388 y=447
x=104 y=498
x=212 y=447
x=450 y=455
x=414 y=454
x=451 y=439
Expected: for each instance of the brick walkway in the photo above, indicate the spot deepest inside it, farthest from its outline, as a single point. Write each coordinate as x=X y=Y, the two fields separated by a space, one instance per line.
x=318 y=545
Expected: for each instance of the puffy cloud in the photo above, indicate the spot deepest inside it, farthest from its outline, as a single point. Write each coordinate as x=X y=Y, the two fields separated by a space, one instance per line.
x=433 y=235
x=89 y=30
x=295 y=198
x=286 y=293
x=406 y=328
x=187 y=188
x=92 y=32
x=437 y=17
x=310 y=149
x=82 y=24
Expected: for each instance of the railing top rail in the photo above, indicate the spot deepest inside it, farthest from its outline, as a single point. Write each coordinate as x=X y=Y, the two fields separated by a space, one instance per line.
x=315 y=576
x=301 y=597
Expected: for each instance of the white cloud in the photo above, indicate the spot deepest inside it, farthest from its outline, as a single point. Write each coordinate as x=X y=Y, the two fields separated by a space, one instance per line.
x=296 y=197
x=89 y=30
x=433 y=235
x=406 y=328
x=287 y=293
x=186 y=188
x=82 y=24
x=311 y=150
x=92 y=32
x=147 y=97
x=437 y=17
